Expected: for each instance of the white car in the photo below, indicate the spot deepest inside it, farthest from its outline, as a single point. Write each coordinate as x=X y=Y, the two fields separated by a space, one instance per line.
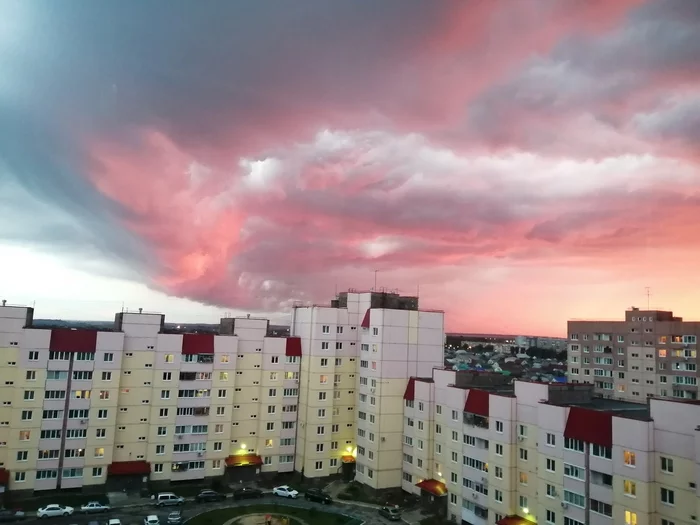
x=285 y=491
x=151 y=520
x=114 y=521
x=94 y=507
x=54 y=510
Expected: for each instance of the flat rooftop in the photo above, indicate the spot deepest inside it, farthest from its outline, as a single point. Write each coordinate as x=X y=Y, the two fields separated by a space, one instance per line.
x=627 y=409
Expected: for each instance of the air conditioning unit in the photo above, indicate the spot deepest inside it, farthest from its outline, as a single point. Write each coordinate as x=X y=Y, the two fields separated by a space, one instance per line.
x=83 y=421
x=484 y=480
x=200 y=454
x=564 y=505
x=383 y=439
x=521 y=438
x=180 y=436
x=475 y=495
x=372 y=390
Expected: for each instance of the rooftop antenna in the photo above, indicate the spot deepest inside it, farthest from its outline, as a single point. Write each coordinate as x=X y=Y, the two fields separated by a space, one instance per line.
x=648 y=292
x=375 y=280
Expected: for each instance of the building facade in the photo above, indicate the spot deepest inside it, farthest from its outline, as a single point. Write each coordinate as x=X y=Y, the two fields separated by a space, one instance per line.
x=136 y=404
x=139 y=403
x=650 y=353
x=485 y=452
x=359 y=353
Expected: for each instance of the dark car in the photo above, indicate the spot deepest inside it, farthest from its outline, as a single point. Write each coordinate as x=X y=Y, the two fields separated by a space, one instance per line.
x=247 y=493
x=318 y=496
x=390 y=513
x=7 y=515
x=209 y=495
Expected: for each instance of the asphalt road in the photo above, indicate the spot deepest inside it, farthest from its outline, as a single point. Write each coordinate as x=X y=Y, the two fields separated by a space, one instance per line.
x=136 y=515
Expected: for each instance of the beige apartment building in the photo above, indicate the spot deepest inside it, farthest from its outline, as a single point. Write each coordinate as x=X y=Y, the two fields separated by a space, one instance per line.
x=650 y=353
x=137 y=404
x=484 y=451
x=359 y=353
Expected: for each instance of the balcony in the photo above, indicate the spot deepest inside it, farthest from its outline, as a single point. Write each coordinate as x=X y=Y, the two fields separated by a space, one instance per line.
x=476 y=421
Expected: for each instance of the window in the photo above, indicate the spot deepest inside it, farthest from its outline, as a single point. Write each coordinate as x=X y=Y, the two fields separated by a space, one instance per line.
x=99 y=452
x=551 y=440
x=551 y=517
x=631 y=519
x=630 y=458
x=498 y=496
x=108 y=357
x=522 y=501
x=551 y=465
x=499 y=427
x=668 y=497
x=601 y=452
x=523 y=478
x=601 y=508
x=575 y=499
x=629 y=488
x=572 y=471
x=666 y=465
x=574 y=444
x=523 y=454
x=499 y=449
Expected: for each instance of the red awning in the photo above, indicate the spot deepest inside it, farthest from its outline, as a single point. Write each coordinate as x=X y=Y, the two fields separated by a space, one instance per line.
x=410 y=393
x=348 y=459
x=243 y=460
x=435 y=487
x=198 y=344
x=513 y=520
x=365 y=320
x=477 y=402
x=591 y=426
x=293 y=348
x=68 y=340
x=129 y=468
x=4 y=477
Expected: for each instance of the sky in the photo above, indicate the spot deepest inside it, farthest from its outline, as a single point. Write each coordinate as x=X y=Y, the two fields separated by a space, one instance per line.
x=517 y=163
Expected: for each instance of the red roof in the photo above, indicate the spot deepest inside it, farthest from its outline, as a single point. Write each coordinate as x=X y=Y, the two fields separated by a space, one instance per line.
x=410 y=393
x=365 y=319
x=68 y=340
x=293 y=348
x=513 y=520
x=4 y=476
x=591 y=426
x=433 y=486
x=477 y=402
x=348 y=459
x=243 y=460
x=126 y=468
x=198 y=344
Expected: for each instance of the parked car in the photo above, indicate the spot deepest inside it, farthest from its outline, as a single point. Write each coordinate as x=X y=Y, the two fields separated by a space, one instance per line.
x=285 y=491
x=166 y=499
x=114 y=521
x=209 y=495
x=390 y=513
x=151 y=520
x=247 y=493
x=93 y=507
x=175 y=518
x=318 y=496
x=7 y=515
x=53 y=510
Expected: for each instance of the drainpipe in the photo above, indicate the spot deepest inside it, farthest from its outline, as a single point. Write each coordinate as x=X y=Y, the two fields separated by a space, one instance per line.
x=587 y=463
x=64 y=425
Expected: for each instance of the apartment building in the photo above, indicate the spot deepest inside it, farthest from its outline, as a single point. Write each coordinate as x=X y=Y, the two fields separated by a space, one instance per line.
x=485 y=452
x=359 y=354
x=650 y=353
x=136 y=404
